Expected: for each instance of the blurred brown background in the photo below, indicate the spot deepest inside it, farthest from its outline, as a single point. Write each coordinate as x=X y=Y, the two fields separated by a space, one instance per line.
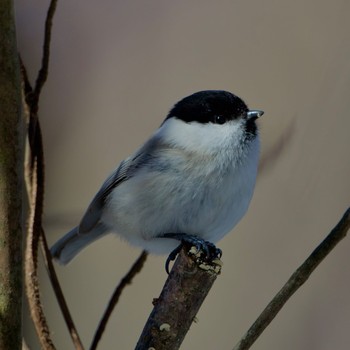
x=116 y=69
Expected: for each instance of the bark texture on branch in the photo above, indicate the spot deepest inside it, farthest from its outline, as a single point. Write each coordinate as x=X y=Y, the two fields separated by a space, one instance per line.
x=11 y=158
x=183 y=293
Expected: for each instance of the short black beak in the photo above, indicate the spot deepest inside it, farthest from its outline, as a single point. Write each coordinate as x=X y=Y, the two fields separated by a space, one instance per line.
x=254 y=114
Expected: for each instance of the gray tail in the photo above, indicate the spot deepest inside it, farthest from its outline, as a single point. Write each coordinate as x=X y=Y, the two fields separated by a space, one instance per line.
x=70 y=245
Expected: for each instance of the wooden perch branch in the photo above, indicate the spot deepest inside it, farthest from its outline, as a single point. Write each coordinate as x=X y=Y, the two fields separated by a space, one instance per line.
x=298 y=278
x=174 y=311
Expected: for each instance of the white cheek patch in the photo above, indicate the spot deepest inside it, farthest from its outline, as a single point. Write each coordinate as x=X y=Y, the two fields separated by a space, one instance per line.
x=208 y=138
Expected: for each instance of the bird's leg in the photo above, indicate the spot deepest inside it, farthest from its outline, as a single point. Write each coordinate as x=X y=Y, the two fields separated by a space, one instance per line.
x=209 y=249
x=172 y=256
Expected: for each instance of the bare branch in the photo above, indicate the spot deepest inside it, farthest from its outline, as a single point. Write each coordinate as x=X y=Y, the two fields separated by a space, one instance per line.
x=298 y=278
x=59 y=294
x=43 y=72
x=35 y=176
x=31 y=270
x=174 y=311
x=134 y=270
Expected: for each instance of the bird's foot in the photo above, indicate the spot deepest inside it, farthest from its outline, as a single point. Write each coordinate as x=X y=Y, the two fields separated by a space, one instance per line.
x=204 y=250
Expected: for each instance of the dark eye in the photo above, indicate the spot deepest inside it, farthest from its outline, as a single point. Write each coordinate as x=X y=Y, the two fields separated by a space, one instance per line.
x=219 y=119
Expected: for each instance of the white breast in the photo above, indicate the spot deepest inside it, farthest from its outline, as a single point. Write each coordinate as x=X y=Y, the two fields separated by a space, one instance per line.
x=204 y=199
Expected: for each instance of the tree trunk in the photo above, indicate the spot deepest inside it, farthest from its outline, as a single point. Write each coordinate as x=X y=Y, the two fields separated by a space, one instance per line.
x=11 y=180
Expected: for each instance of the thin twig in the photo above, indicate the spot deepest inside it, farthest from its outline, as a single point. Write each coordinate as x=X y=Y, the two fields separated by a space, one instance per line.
x=298 y=278
x=31 y=270
x=27 y=87
x=134 y=270
x=59 y=294
x=43 y=72
x=35 y=174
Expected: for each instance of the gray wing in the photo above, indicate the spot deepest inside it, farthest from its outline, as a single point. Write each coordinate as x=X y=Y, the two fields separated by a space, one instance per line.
x=125 y=171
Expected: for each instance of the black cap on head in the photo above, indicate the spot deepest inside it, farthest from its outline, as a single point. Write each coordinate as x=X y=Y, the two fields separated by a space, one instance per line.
x=215 y=106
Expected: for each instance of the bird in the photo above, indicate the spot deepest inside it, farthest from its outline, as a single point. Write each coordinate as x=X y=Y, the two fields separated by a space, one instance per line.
x=191 y=182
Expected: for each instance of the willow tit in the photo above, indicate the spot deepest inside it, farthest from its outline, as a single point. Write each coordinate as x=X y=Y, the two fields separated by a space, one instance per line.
x=192 y=181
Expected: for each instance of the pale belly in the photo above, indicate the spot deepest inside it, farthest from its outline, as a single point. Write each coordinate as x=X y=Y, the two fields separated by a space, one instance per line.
x=145 y=207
